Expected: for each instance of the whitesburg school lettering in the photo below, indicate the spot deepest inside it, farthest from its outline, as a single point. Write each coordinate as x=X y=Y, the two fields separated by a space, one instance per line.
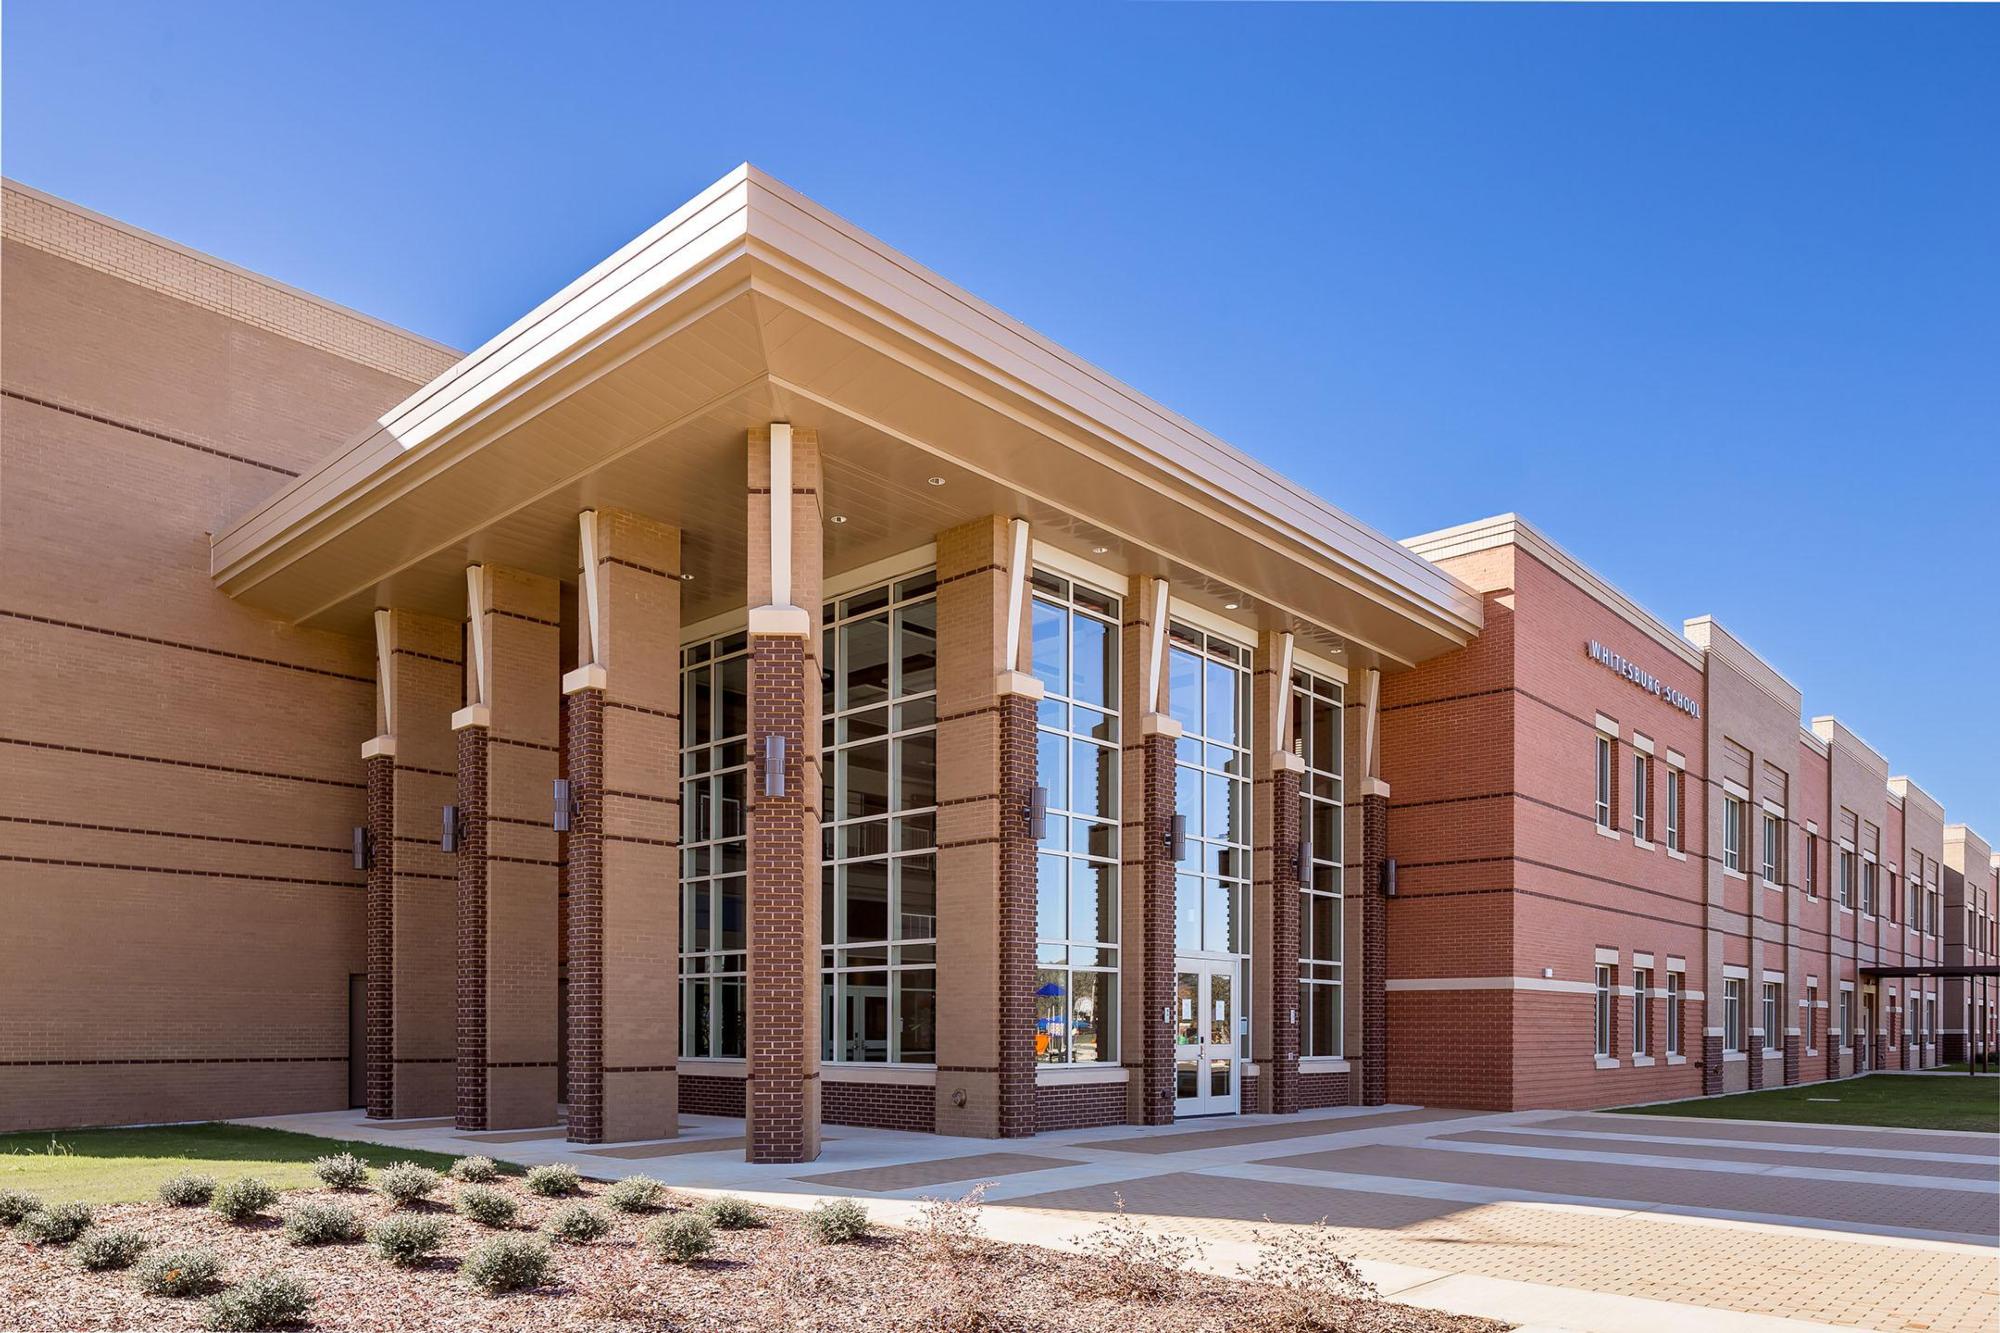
x=1644 y=679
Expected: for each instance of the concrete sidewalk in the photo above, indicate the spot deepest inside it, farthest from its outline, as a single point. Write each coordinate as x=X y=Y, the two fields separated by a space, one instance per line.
x=1549 y=1219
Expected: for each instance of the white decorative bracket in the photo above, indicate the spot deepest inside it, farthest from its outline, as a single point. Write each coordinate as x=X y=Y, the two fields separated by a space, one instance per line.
x=478 y=711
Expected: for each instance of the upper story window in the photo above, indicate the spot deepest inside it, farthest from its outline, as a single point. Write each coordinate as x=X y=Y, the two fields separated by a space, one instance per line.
x=1641 y=795
x=1811 y=867
x=878 y=877
x=1606 y=990
x=1317 y=736
x=1774 y=848
x=1676 y=1013
x=1676 y=784
x=1732 y=1014
x=1075 y=649
x=1732 y=834
x=1604 y=782
x=1868 y=874
x=1845 y=888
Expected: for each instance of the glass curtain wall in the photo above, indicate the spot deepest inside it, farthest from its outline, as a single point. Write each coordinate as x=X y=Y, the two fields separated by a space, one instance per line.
x=878 y=879
x=1075 y=651
x=715 y=725
x=1316 y=737
x=1209 y=695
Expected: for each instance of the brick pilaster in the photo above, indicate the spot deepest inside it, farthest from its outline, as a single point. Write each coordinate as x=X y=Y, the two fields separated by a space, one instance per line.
x=1156 y=1053
x=473 y=747
x=1794 y=1053
x=1756 y=1060
x=585 y=740
x=782 y=1095
x=381 y=926
x=1277 y=1012
x=1711 y=1063
x=1374 y=950
x=1016 y=1007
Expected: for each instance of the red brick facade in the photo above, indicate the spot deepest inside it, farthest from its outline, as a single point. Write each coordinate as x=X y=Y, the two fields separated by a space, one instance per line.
x=474 y=745
x=584 y=739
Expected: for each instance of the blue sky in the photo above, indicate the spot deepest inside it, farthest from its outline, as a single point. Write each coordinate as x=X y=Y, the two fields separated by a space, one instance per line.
x=1711 y=294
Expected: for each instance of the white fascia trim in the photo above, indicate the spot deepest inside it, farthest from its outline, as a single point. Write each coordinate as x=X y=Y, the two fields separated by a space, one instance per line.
x=1608 y=726
x=1071 y=1075
x=1732 y=970
x=915 y=1075
x=1642 y=742
x=1675 y=759
x=1606 y=955
x=1736 y=789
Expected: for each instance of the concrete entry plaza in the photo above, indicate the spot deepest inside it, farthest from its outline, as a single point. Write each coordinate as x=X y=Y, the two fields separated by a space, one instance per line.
x=1552 y=1219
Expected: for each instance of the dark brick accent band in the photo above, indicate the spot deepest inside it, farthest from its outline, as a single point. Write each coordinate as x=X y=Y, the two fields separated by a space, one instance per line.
x=1016 y=912
x=784 y=868
x=381 y=927
x=1317 y=1090
x=1280 y=1073
x=904 y=1106
x=1079 y=1106
x=711 y=1094
x=1374 y=951
x=1156 y=991
x=585 y=739
x=471 y=1098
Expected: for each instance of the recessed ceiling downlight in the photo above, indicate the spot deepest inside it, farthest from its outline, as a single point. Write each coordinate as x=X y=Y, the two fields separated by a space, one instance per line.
x=935 y=481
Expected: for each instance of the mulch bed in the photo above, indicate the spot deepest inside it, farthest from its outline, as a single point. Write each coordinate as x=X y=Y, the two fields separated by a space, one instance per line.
x=771 y=1277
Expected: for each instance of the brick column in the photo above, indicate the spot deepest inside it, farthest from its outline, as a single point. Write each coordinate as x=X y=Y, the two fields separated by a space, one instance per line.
x=1794 y=1051
x=782 y=1093
x=624 y=864
x=1274 y=911
x=1711 y=1051
x=1155 y=1082
x=380 y=763
x=986 y=851
x=411 y=765
x=1756 y=1056
x=507 y=885
x=1374 y=943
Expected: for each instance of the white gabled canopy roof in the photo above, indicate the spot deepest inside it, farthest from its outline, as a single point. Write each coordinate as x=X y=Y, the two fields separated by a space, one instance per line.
x=634 y=385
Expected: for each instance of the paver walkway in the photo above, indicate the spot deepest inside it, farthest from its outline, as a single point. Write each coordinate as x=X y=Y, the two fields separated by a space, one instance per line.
x=1554 y=1219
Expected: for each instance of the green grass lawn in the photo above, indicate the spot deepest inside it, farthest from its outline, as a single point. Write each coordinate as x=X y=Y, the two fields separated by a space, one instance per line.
x=1875 y=1099
x=1964 y=1067
x=127 y=1165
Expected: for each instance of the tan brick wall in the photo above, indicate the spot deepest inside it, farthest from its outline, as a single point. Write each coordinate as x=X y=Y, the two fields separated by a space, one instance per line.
x=179 y=775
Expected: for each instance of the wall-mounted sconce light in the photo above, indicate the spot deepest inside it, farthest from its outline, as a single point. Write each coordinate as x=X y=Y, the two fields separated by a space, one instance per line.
x=449 y=835
x=1389 y=878
x=774 y=765
x=364 y=852
x=1305 y=860
x=564 y=806
x=1177 y=838
x=1038 y=813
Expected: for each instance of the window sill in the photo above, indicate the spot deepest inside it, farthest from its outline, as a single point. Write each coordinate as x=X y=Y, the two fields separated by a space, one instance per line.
x=832 y=1071
x=1642 y=1062
x=714 y=1064
x=1063 y=1076
x=1770 y=884
x=1677 y=855
x=1323 y=1064
x=1606 y=1062
x=1641 y=843
x=1734 y=1057
x=1727 y=873
x=1677 y=1059
x=1610 y=833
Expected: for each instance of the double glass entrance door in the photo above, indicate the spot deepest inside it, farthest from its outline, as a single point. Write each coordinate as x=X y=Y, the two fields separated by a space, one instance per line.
x=1206 y=1010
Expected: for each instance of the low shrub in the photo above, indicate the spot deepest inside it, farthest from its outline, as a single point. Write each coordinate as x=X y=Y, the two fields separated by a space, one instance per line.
x=1129 y=1263
x=728 y=1213
x=948 y=1229
x=554 y=1181
x=579 y=1224
x=241 y=1200
x=837 y=1221
x=475 y=1170
x=406 y=1182
x=507 y=1263
x=342 y=1171
x=1308 y=1283
x=636 y=1194
x=114 y=1248
x=488 y=1207
x=187 y=1190
x=178 y=1272
x=681 y=1238
x=58 y=1225
x=17 y=1204
x=269 y=1300
x=322 y=1222
x=407 y=1241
